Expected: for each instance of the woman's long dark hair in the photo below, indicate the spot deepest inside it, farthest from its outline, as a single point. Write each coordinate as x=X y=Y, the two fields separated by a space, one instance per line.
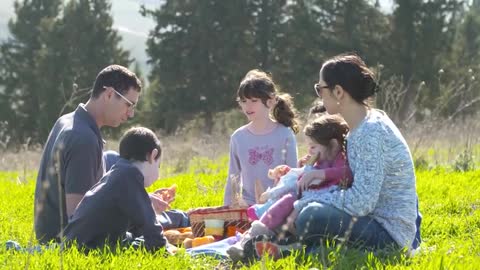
x=352 y=74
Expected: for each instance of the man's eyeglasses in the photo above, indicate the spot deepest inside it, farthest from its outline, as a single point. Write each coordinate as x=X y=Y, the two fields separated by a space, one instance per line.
x=318 y=88
x=131 y=105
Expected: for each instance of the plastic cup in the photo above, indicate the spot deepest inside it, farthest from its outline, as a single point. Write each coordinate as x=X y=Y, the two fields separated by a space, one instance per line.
x=214 y=227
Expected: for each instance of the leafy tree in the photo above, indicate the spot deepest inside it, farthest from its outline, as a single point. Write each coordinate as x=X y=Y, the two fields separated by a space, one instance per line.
x=290 y=39
x=20 y=73
x=463 y=64
x=198 y=51
x=298 y=45
x=467 y=45
x=315 y=30
x=50 y=63
x=81 y=43
x=423 y=33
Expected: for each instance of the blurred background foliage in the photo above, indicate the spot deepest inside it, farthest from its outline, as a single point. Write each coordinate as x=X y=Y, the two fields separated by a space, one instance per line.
x=426 y=55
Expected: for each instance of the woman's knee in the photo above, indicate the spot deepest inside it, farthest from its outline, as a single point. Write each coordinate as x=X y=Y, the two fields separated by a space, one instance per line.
x=309 y=217
x=320 y=219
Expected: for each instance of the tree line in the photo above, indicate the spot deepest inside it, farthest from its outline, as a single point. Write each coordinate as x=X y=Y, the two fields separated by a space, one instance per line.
x=426 y=54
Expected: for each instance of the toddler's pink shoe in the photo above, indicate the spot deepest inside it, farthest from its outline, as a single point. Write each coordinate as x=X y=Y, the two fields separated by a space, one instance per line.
x=251 y=213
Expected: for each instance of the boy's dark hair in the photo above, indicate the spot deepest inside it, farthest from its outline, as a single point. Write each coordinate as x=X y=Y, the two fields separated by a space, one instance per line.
x=259 y=84
x=137 y=143
x=327 y=127
x=352 y=74
x=118 y=77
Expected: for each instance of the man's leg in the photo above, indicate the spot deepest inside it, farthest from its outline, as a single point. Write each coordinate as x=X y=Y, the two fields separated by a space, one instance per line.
x=318 y=221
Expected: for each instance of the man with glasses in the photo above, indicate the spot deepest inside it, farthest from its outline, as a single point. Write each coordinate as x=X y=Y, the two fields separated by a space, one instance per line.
x=72 y=160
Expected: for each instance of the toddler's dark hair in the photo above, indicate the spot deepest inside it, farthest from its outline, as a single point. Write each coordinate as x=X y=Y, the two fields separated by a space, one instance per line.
x=327 y=127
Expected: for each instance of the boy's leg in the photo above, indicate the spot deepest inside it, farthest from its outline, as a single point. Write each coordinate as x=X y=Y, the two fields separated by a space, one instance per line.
x=173 y=219
x=277 y=214
x=318 y=221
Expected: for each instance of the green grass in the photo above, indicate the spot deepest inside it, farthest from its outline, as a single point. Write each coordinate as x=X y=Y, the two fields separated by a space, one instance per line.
x=449 y=202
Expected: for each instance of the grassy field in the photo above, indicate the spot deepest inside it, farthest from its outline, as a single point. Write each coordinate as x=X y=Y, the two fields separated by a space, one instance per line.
x=449 y=202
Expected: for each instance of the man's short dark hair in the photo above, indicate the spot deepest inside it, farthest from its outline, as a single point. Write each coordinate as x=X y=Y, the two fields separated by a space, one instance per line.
x=137 y=143
x=118 y=77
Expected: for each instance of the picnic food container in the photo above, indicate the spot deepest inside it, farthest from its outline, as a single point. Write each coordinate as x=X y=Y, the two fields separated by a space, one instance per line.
x=234 y=219
x=214 y=227
x=178 y=235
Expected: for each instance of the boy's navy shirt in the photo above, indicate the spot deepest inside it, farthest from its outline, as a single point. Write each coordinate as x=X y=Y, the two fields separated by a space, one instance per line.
x=117 y=203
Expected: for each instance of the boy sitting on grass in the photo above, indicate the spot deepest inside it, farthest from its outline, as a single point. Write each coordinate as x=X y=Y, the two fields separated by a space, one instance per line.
x=118 y=210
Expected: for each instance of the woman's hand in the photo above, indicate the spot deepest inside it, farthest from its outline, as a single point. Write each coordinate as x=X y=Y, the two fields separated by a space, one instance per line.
x=307 y=178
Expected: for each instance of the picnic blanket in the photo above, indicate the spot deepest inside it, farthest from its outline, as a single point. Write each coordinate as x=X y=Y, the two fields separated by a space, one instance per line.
x=12 y=245
x=215 y=249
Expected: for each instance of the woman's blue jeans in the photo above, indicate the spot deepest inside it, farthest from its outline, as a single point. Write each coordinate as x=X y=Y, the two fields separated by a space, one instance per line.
x=318 y=222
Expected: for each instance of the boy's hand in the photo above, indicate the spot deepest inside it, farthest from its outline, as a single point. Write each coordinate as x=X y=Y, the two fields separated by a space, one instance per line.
x=171 y=249
x=158 y=204
x=166 y=194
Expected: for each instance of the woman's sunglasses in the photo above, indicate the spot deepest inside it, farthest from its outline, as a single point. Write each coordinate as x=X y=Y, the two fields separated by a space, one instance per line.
x=318 y=88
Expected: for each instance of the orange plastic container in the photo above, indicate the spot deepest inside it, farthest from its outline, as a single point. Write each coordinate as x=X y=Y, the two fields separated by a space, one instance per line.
x=231 y=230
x=198 y=241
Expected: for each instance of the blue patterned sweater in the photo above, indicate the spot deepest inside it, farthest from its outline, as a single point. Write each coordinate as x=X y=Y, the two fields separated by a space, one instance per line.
x=384 y=178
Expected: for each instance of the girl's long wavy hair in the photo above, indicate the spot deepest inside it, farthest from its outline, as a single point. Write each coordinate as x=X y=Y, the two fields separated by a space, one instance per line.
x=259 y=84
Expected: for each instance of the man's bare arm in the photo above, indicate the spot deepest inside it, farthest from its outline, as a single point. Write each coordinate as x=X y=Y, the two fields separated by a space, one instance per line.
x=72 y=201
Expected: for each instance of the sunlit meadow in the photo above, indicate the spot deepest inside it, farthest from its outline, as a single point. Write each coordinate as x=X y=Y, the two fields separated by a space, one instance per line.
x=448 y=175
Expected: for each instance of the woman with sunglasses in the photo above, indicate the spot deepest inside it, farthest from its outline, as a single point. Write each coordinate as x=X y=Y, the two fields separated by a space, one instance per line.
x=380 y=209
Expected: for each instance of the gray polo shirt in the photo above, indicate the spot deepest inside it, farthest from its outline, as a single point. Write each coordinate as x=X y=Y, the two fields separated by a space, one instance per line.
x=71 y=163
